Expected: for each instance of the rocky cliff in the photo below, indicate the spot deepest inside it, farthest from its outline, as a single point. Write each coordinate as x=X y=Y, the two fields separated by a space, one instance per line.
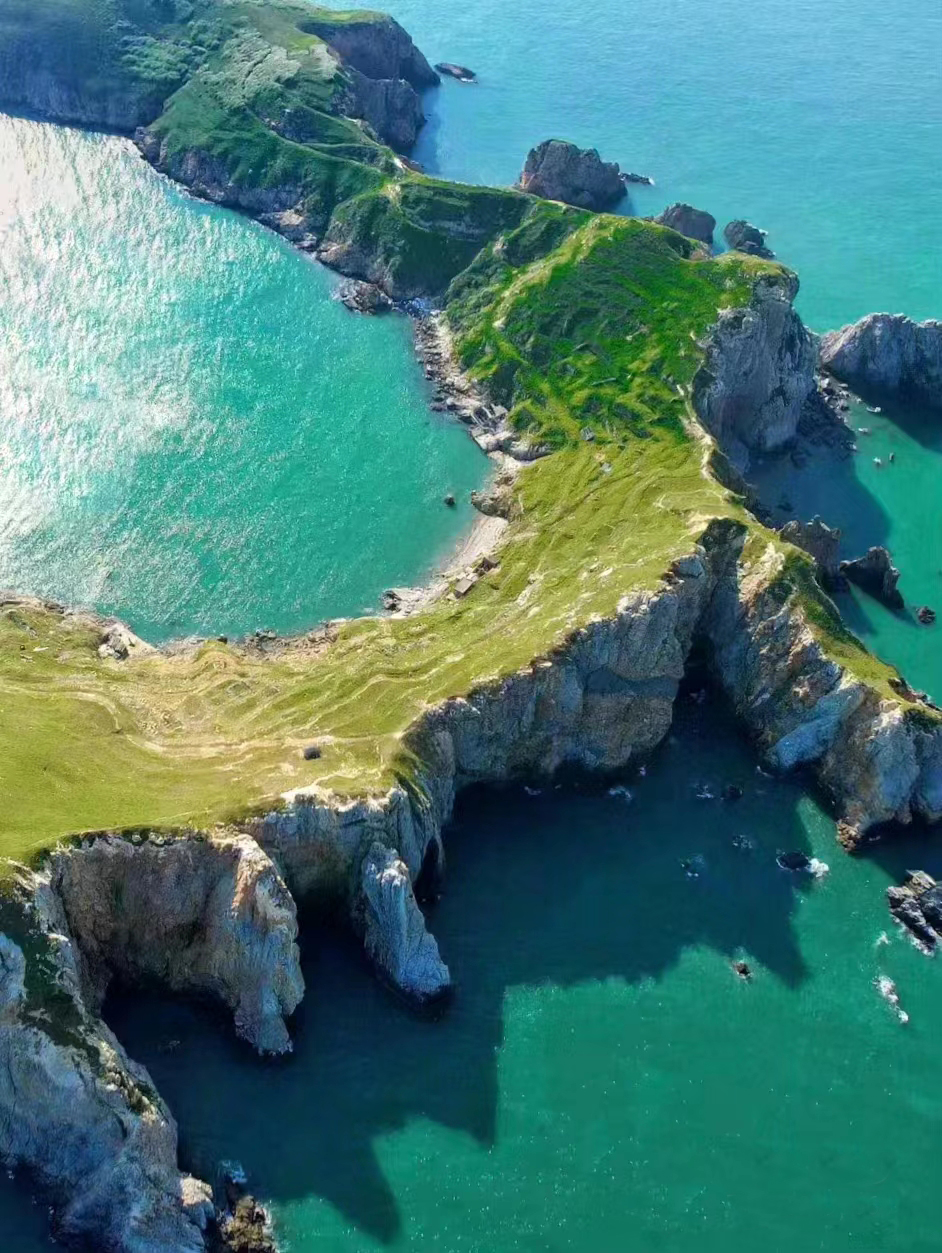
x=888 y=352
x=694 y=223
x=74 y=1110
x=207 y=915
x=758 y=373
x=557 y=170
x=374 y=44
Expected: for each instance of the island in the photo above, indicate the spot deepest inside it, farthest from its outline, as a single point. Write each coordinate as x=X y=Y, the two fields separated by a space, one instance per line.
x=165 y=809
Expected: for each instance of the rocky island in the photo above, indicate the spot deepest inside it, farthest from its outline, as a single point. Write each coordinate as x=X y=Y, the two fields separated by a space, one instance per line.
x=164 y=810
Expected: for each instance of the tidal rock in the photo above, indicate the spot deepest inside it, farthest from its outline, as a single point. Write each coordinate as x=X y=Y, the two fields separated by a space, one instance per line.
x=120 y=643
x=362 y=297
x=557 y=170
x=204 y=915
x=758 y=373
x=629 y=176
x=694 y=223
x=744 y=237
x=497 y=500
x=917 y=905
x=926 y=615
x=820 y=541
x=395 y=936
x=875 y=573
x=888 y=352
x=461 y=72
x=246 y=1229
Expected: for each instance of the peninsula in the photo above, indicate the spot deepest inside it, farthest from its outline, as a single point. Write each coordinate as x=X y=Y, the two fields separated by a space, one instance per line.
x=164 y=810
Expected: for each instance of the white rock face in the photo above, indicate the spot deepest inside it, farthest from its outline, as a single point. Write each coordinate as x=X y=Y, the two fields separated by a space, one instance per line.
x=206 y=915
x=888 y=352
x=758 y=373
x=75 y=1111
x=394 y=931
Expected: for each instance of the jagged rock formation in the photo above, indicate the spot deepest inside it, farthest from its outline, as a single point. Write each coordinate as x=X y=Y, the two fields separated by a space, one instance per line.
x=394 y=933
x=208 y=915
x=694 y=223
x=377 y=46
x=744 y=237
x=390 y=106
x=557 y=170
x=917 y=905
x=820 y=541
x=758 y=373
x=879 y=759
x=888 y=352
x=876 y=574
x=74 y=1109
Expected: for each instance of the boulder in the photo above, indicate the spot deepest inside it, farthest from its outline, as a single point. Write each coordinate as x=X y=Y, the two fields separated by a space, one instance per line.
x=742 y=236
x=888 y=352
x=819 y=540
x=917 y=905
x=557 y=170
x=694 y=223
x=461 y=72
x=362 y=297
x=875 y=573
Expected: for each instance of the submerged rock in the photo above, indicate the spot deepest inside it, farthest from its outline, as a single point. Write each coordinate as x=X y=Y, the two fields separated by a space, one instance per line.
x=461 y=72
x=742 y=236
x=926 y=615
x=557 y=170
x=888 y=352
x=694 y=223
x=875 y=573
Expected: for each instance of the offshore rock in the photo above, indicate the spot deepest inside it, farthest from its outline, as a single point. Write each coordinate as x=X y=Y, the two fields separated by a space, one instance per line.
x=820 y=541
x=694 y=223
x=75 y=1111
x=758 y=374
x=875 y=574
x=744 y=237
x=461 y=72
x=205 y=915
x=394 y=934
x=917 y=905
x=557 y=170
x=888 y=352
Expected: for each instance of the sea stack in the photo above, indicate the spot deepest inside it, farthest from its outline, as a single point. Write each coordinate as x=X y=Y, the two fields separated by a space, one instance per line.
x=557 y=170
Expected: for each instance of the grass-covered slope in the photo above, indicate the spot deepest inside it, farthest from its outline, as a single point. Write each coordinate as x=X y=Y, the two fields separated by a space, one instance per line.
x=173 y=740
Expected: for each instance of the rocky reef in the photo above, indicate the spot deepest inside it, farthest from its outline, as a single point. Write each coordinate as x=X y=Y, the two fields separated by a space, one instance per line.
x=694 y=223
x=917 y=905
x=758 y=374
x=876 y=574
x=888 y=352
x=557 y=170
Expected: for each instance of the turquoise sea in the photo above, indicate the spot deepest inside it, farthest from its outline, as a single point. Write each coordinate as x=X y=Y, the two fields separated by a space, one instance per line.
x=603 y=1080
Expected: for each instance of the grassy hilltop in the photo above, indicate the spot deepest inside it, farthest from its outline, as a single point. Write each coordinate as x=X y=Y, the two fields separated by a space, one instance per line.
x=571 y=320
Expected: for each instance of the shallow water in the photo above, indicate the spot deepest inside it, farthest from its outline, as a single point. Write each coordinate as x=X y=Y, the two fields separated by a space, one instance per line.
x=193 y=435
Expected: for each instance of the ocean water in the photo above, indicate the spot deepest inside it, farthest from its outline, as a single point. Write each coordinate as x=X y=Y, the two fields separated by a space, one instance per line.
x=603 y=1079
x=193 y=435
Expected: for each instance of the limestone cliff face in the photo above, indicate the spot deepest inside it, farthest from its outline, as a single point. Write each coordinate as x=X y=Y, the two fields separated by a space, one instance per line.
x=758 y=372
x=888 y=352
x=207 y=915
x=74 y=1110
x=879 y=759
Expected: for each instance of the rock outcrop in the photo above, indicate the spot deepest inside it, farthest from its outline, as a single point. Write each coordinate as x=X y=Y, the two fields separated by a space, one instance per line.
x=206 y=915
x=461 y=72
x=880 y=759
x=389 y=106
x=376 y=45
x=742 y=236
x=694 y=223
x=74 y=1109
x=917 y=906
x=890 y=353
x=820 y=541
x=758 y=374
x=394 y=934
x=557 y=170
x=875 y=573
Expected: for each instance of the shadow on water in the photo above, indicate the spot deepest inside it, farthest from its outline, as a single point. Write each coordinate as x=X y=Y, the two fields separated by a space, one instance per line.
x=555 y=889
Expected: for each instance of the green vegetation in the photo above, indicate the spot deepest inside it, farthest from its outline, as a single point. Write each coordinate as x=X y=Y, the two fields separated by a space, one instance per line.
x=580 y=324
